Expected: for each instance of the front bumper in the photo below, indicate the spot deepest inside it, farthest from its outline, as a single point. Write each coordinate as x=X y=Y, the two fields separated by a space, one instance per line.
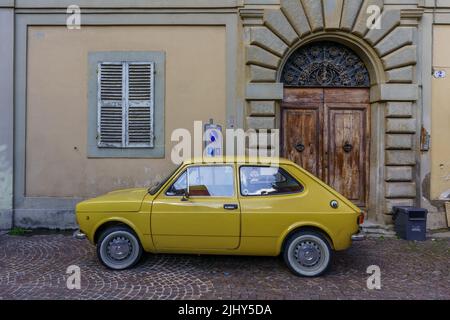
x=79 y=235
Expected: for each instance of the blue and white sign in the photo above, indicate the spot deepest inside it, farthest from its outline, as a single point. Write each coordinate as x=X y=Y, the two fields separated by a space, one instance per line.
x=440 y=74
x=213 y=140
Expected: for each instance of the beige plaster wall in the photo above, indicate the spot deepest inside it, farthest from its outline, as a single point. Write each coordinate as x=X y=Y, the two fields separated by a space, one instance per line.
x=440 y=143
x=57 y=102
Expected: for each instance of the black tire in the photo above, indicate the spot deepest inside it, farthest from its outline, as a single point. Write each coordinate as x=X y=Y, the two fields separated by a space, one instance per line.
x=308 y=253
x=119 y=248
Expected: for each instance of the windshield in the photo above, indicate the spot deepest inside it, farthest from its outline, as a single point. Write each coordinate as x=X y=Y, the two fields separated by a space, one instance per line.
x=154 y=189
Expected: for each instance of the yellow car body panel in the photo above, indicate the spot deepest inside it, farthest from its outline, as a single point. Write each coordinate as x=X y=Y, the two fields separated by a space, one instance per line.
x=258 y=226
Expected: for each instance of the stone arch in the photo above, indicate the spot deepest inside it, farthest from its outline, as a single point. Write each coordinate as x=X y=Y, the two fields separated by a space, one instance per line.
x=298 y=21
x=362 y=49
x=390 y=56
x=324 y=64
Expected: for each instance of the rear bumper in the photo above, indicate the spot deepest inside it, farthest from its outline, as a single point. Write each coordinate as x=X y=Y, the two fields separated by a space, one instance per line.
x=360 y=236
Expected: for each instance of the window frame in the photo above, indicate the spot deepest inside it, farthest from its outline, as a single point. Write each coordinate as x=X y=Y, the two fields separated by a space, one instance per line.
x=94 y=150
x=285 y=174
x=126 y=105
x=185 y=169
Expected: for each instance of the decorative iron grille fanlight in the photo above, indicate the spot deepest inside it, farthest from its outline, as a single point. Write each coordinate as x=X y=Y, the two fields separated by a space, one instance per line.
x=325 y=64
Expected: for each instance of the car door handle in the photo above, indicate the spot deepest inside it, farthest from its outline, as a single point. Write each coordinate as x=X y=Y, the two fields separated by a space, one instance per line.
x=230 y=206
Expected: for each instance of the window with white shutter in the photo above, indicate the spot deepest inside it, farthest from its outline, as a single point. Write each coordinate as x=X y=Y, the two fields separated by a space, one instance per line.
x=125 y=105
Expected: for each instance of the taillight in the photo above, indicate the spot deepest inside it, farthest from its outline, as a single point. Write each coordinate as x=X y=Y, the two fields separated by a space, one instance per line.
x=361 y=218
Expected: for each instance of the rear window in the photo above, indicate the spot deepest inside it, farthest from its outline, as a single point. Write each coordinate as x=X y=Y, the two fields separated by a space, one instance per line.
x=264 y=181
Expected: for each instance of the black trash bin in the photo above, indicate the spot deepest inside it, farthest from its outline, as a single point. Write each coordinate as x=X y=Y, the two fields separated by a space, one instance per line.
x=411 y=223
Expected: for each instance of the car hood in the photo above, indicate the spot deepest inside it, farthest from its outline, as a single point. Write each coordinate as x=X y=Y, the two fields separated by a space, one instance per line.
x=129 y=200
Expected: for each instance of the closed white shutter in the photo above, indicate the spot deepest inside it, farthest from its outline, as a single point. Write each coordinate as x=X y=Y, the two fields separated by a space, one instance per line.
x=126 y=104
x=111 y=105
x=140 y=104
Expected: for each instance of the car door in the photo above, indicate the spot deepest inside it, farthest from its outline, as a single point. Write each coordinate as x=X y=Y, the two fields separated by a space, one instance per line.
x=198 y=210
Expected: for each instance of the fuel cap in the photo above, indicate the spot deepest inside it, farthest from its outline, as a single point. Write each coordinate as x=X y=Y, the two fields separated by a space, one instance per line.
x=334 y=204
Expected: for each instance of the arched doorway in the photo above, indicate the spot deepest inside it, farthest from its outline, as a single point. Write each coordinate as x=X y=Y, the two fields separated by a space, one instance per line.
x=325 y=116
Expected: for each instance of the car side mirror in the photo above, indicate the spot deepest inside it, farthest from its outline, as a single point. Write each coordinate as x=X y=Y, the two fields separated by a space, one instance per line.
x=185 y=196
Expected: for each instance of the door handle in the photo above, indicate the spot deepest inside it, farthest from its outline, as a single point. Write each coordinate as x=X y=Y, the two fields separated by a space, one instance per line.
x=300 y=147
x=230 y=206
x=348 y=147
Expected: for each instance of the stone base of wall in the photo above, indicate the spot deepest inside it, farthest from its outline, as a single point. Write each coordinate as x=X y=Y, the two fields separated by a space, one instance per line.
x=436 y=220
x=45 y=218
x=6 y=218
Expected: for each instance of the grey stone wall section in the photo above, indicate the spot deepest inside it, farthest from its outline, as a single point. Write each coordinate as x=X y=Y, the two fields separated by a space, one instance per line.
x=395 y=44
x=278 y=23
x=399 y=110
x=55 y=219
x=313 y=10
x=261 y=123
x=399 y=92
x=401 y=75
x=400 y=58
x=389 y=20
x=401 y=125
x=264 y=91
x=390 y=203
x=349 y=14
x=268 y=40
x=294 y=12
x=401 y=190
x=118 y=4
x=332 y=11
x=7 y=117
x=262 y=108
x=399 y=141
x=261 y=74
x=398 y=38
x=259 y=56
x=399 y=174
x=400 y=158
x=360 y=28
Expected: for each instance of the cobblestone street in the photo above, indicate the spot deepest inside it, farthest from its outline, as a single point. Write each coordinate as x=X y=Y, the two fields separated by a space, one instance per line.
x=34 y=267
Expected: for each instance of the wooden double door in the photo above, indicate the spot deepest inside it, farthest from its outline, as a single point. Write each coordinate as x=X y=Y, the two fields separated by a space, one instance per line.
x=327 y=132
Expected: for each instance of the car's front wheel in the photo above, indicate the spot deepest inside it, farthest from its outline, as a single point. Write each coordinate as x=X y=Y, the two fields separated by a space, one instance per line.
x=119 y=248
x=307 y=253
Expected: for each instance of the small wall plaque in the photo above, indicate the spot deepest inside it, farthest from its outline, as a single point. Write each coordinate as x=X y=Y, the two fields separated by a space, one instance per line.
x=440 y=74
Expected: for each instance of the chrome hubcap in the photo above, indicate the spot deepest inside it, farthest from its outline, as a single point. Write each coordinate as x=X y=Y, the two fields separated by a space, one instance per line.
x=119 y=248
x=308 y=253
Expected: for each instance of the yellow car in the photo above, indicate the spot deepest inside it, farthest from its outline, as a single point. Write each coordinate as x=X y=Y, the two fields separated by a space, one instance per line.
x=241 y=206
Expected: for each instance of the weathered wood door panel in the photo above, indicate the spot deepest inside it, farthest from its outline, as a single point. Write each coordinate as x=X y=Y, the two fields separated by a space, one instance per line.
x=346 y=156
x=326 y=131
x=345 y=95
x=302 y=138
x=302 y=116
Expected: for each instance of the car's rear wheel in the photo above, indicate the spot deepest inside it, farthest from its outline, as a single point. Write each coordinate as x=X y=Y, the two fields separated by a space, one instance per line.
x=307 y=253
x=119 y=248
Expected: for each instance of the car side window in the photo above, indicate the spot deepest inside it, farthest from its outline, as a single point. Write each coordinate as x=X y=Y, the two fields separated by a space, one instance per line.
x=263 y=181
x=204 y=181
x=179 y=187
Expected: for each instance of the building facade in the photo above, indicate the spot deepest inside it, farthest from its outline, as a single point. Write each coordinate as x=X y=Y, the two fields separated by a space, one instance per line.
x=356 y=88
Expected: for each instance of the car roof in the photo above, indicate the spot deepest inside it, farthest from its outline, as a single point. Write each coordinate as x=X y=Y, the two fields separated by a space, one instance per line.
x=265 y=161
x=238 y=159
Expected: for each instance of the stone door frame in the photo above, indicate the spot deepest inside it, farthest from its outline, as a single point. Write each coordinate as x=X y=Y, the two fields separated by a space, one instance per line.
x=390 y=55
